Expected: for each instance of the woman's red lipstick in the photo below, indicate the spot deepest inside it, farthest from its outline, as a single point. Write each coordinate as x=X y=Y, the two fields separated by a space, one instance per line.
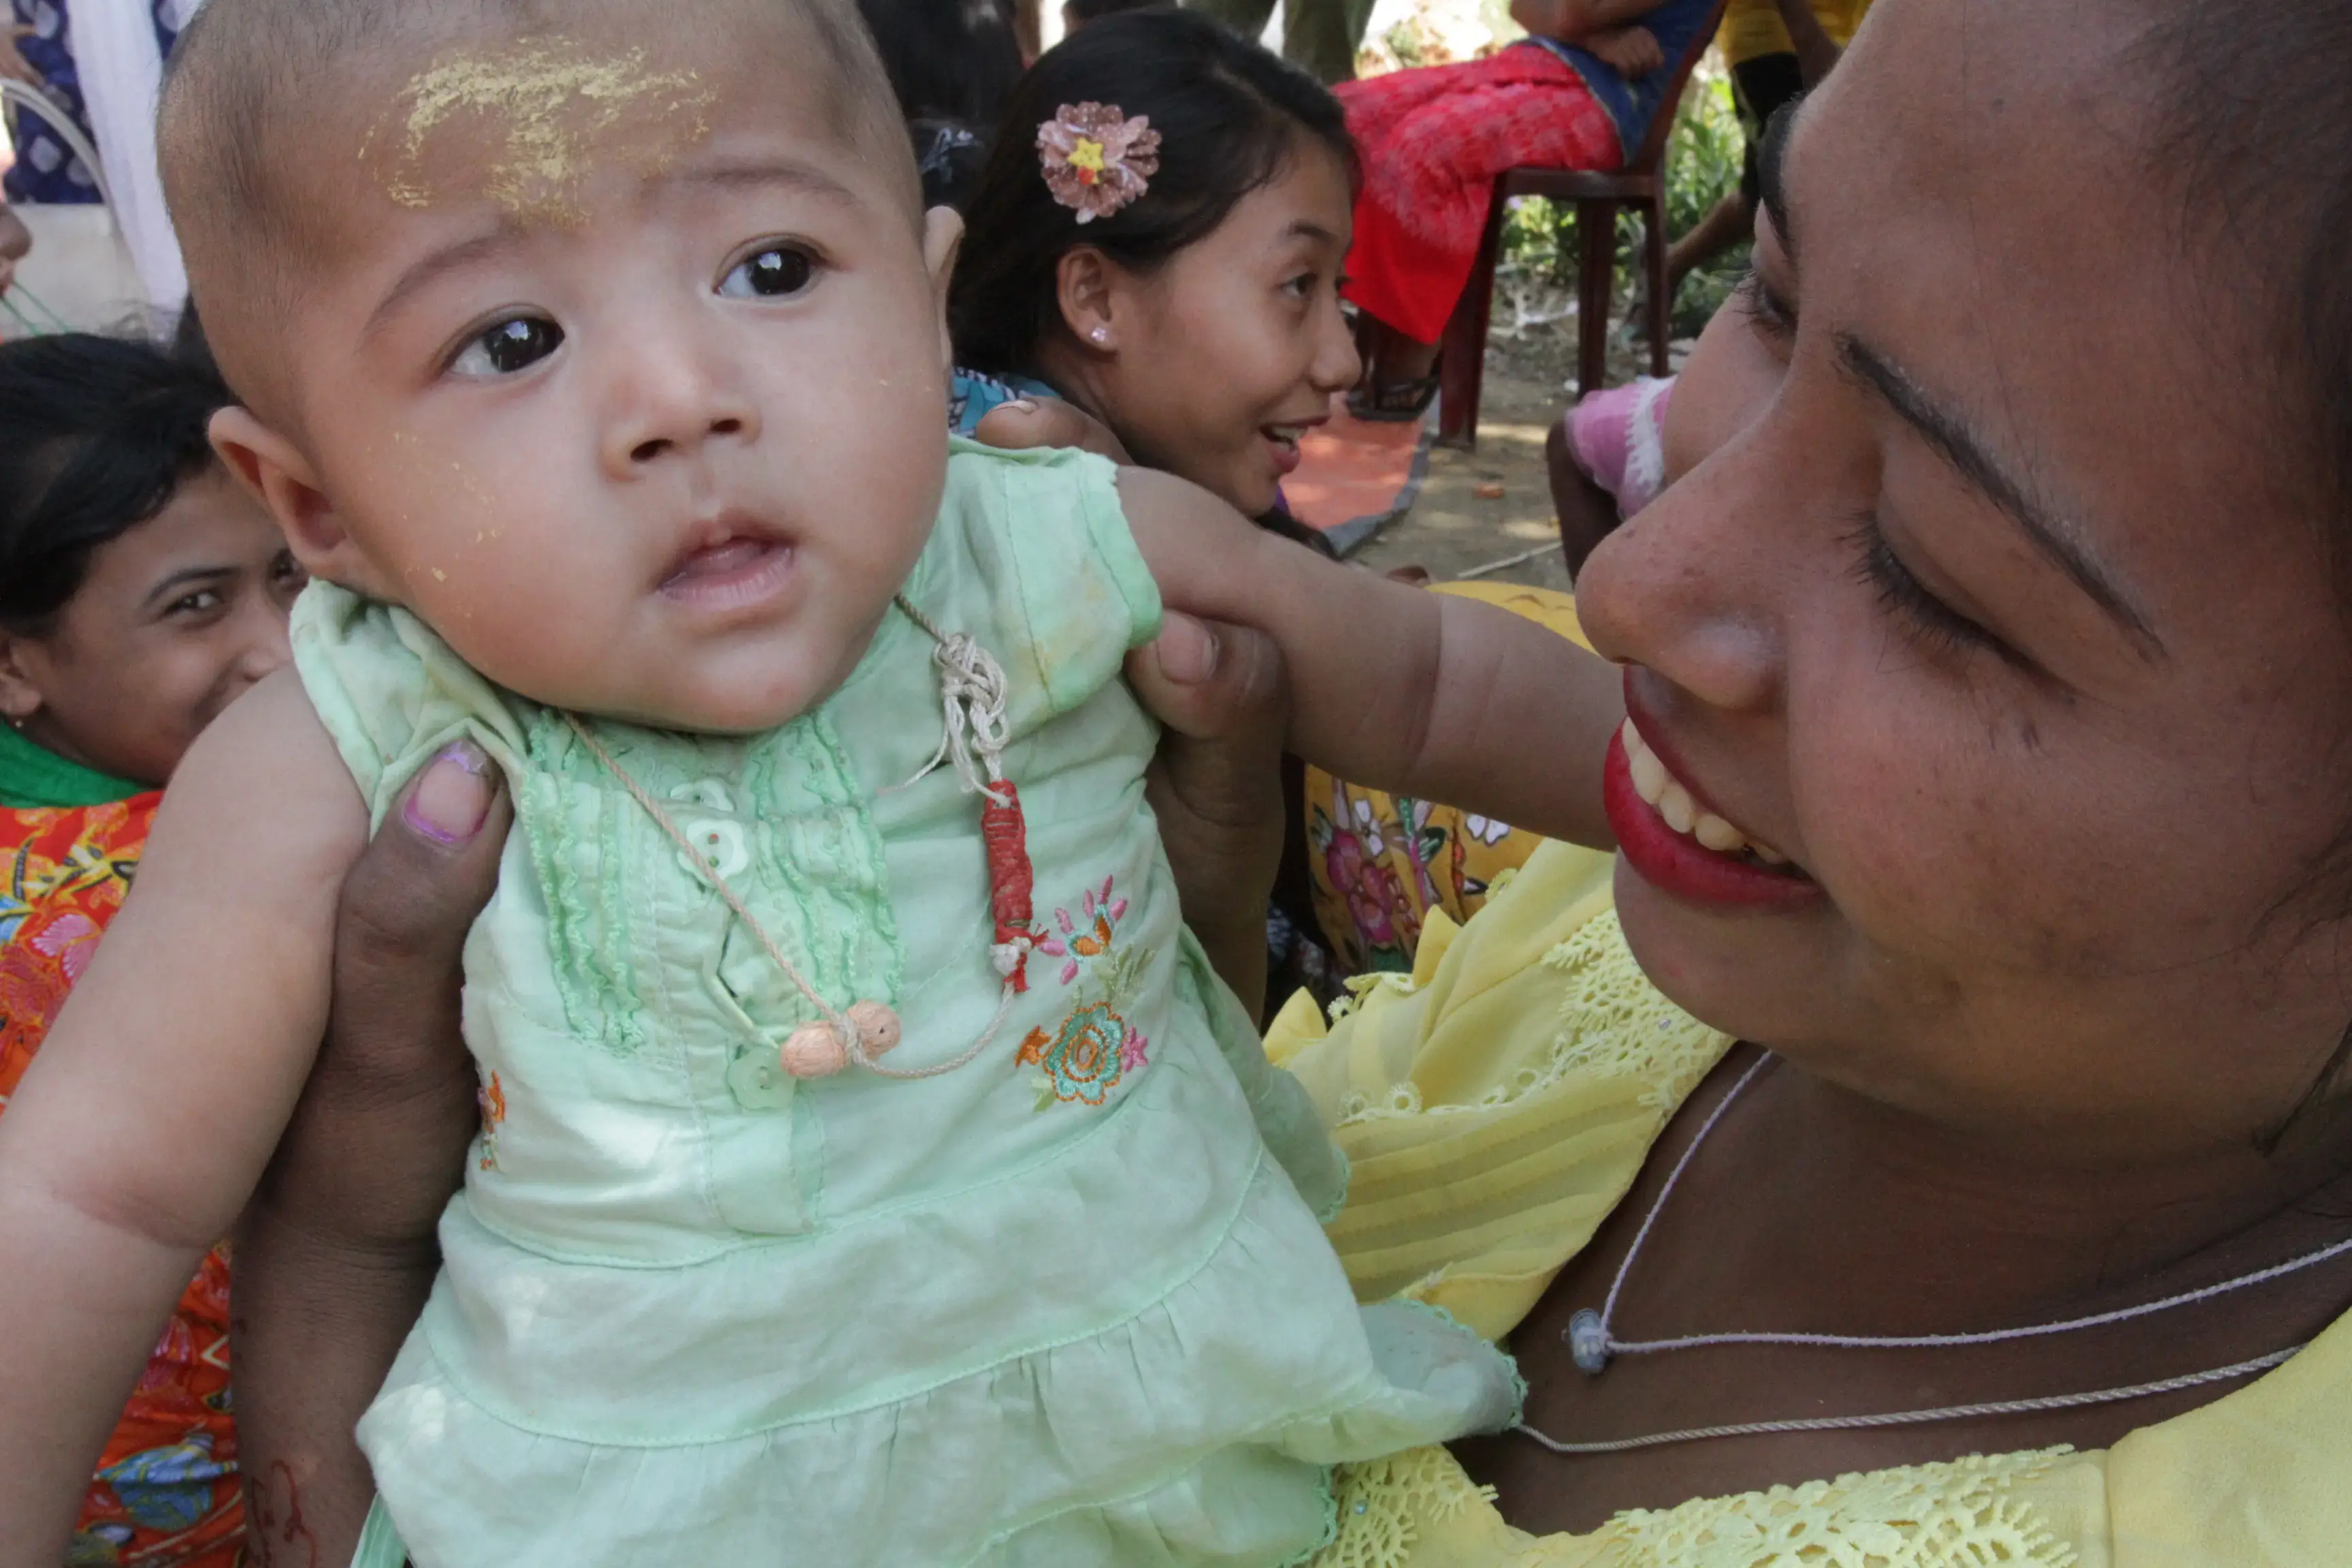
x=1682 y=868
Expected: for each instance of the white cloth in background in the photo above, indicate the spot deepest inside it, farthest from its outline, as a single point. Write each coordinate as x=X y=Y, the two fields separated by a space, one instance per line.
x=121 y=70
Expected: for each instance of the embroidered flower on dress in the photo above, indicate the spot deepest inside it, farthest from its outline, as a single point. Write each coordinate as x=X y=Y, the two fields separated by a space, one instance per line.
x=491 y=1097
x=1084 y=1059
x=1096 y=160
x=1098 y=912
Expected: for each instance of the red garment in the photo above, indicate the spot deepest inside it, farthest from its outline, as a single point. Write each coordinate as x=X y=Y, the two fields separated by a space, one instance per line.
x=1433 y=139
x=166 y=1492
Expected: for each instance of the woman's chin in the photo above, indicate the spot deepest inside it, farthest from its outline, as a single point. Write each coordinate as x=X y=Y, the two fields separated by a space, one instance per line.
x=1754 y=976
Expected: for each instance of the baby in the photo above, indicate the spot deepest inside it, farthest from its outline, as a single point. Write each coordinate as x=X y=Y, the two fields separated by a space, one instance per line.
x=872 y=1170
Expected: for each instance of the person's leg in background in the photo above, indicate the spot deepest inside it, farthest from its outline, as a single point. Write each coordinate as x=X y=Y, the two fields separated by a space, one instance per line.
x=1248 y=17
x=1323 y=35
x=1433 y=139
x=1760 y=87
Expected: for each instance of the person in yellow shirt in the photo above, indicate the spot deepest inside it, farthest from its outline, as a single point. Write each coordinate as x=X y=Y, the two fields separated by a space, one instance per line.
x=1776 y=49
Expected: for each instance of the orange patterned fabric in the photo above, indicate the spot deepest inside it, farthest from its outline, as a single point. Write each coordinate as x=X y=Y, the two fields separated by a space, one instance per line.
x=166 y=1492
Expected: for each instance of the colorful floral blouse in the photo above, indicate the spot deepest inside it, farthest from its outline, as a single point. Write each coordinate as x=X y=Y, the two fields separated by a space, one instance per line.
x=165 y=1494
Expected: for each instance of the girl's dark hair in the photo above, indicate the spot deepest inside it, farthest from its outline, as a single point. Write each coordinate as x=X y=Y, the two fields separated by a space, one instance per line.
x=1229 y=115
x=952 y=63
x=948 y=59
x=96 y=435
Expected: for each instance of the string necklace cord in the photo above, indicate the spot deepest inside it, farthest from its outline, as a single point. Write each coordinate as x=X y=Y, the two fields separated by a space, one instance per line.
x=973 y=694
x=1595 y=1345
x=1915 y=1417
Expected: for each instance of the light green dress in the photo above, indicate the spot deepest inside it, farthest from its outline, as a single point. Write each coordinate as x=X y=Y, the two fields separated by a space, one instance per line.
x=1070 y=1304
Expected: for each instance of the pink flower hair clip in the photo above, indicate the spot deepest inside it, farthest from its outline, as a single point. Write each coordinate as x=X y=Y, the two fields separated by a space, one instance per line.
x=1096 y=159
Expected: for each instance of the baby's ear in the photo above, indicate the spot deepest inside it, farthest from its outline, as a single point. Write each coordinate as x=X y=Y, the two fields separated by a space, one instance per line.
x=282 y=477
x=942 y=240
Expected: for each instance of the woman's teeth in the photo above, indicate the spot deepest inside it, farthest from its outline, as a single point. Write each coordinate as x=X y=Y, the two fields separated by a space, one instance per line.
x=1674 y=801
x=1289 y=435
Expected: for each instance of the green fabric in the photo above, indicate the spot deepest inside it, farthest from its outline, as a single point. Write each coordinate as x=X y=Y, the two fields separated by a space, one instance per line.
x=1068 y=1304
x=33 y=777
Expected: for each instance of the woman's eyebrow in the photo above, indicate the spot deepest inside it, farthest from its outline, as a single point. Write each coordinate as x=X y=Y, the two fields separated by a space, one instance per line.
x=1971 y=457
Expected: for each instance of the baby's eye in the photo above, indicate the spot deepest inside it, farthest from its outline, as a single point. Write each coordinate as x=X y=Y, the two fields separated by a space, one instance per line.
x=512 y=345
x=769 y=274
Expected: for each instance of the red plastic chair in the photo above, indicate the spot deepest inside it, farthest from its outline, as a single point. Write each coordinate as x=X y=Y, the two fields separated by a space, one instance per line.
x=1462 y=371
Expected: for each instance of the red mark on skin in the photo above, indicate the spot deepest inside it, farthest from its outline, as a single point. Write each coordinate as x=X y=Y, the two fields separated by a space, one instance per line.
x=277 y=1535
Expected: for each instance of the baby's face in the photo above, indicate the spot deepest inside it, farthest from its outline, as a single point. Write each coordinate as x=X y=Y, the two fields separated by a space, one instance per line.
x=629 y=381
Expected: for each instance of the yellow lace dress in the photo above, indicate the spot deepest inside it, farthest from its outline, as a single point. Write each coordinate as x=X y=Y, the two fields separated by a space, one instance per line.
x=1498 y=1102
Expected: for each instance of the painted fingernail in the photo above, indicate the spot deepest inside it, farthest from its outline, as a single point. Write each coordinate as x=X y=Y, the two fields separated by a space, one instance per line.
x=1188 y=651
x=1025 y=404
x=450 y=802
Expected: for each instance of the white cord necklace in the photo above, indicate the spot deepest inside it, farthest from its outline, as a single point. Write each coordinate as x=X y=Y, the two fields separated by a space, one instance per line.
x=1594 y=1345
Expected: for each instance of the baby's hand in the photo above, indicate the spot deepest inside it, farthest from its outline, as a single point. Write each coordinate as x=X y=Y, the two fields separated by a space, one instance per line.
x=1027 y=422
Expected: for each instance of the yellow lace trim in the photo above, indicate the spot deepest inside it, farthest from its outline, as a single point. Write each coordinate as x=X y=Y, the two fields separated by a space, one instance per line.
x=1958 y=1515
x=1384 y=1506
x=1614 y=1023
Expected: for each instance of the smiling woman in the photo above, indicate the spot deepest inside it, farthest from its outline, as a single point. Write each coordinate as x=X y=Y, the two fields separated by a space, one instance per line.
x=2006 y=1182
x=139 y=593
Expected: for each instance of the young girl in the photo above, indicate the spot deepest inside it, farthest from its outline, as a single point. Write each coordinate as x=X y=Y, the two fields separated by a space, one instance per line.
x=1199 y=323
x=141 y=592
x=869 y=1161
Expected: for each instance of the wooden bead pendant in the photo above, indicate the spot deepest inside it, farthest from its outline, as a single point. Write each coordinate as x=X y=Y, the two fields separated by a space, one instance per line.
x=816 y=1050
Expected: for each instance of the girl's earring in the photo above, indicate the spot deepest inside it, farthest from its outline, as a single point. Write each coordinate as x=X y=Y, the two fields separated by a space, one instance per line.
x=1099 y=335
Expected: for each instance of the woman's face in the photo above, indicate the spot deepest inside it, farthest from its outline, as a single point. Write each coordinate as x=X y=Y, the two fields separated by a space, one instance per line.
x=1222 y=359
x=1994 y=597
x=176 y=619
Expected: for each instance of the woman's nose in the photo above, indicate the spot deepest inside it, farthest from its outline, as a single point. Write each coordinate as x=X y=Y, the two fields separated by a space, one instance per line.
x=1685 y=588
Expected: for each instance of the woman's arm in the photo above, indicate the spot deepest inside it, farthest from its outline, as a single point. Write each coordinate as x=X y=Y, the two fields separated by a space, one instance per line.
x=337 y=1252
x=141 y=1128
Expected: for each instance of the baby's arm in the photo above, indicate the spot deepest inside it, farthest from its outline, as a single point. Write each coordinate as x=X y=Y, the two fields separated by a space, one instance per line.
x=158 y=1094
x=1392 y=687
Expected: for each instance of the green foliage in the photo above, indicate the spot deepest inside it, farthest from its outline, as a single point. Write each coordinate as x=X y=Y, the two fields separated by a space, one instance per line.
x=1540 y=239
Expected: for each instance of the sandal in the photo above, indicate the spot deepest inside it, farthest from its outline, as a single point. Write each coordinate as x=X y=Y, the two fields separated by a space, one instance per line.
x=1394 y=405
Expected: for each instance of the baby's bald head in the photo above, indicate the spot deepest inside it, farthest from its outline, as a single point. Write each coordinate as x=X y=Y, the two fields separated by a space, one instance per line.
x=280 y=117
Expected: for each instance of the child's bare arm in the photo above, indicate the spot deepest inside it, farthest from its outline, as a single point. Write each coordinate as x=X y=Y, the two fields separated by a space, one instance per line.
x=155 y=1101
x=1394 y=687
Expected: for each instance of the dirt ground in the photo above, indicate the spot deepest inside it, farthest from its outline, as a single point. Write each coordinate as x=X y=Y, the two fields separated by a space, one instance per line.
x=1451 y=529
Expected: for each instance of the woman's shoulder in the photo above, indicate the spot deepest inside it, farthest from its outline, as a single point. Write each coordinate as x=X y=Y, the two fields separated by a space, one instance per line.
x=1532 y=1023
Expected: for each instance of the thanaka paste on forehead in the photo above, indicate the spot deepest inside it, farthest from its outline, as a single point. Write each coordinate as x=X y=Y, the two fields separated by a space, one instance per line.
x=562 y=109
